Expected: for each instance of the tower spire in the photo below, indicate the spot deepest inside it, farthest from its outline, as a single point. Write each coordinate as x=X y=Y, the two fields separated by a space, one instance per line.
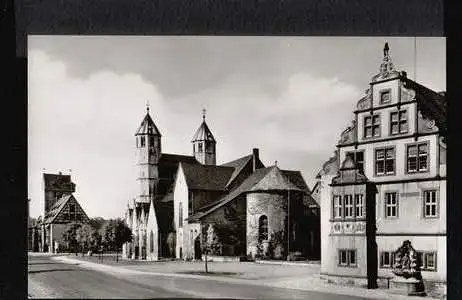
x=147 y=106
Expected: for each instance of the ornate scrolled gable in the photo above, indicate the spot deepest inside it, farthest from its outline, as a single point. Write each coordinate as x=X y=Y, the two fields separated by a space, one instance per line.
x=348 y=135
x=366 y=101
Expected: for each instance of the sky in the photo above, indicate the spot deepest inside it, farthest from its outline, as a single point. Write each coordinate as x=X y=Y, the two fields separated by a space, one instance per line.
x=291 y=97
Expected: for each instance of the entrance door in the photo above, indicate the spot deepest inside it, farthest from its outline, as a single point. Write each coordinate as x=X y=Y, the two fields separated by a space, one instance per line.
x=197 y=249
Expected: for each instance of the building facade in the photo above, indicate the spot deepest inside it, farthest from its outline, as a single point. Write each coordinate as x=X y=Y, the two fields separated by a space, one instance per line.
x=396 y=145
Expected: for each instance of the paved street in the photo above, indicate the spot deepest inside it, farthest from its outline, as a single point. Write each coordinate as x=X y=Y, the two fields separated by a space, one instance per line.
x=51 y=278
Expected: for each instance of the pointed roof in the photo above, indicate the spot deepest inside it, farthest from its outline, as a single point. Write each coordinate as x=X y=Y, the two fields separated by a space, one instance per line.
x=147 y=126
x=274 y=180
x=56 y=209
x=203 y=133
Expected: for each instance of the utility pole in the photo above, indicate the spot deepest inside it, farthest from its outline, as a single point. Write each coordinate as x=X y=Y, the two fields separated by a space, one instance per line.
x=288 y=224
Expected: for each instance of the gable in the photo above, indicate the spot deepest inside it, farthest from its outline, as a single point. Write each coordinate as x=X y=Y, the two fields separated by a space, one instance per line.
x=69 y=211
x=206 y=177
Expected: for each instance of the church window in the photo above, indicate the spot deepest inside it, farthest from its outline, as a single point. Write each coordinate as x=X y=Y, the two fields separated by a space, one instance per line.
x=180 y=215
x=151 y=141
x=142 y=141
x=263 y=228
x=199 y=148
x=151 y=241
x=208 y=147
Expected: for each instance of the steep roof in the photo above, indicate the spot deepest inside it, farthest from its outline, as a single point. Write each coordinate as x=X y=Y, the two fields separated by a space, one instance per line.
x=58 y=207
x=147 y=126
x=238 y=165
x=264 y=179
x=203 y=133
x=296 y=178
x=274 y=180
x=432 y=104
x=245 y=186
x=206 y=177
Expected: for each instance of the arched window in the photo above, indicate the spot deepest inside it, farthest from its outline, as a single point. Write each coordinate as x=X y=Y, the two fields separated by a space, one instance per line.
x=263 y=228
x=180 y=215
x=151 y=242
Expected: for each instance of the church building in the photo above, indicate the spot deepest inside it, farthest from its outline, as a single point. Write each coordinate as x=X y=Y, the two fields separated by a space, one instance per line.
x=246 y=208
x=386 y=184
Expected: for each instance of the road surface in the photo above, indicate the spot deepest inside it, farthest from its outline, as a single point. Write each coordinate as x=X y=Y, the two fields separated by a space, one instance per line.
x=52 y=279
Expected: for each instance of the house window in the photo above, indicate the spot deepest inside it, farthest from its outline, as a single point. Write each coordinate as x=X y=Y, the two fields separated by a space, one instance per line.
x=417 y=158
x=430 y=204
x=358 y=158
x=142 y=140
x=263 y=228
x=387 y=259
x=348 y=200
x=385 y=161
x=208 y=147
x=347 y=258
x=199 y=146
x=398 y=122
x=359 y=206
x=391 y=205
x=427 y=260
x=180 y=215
x=372 y=126
x=385 y=96
x=337 y=207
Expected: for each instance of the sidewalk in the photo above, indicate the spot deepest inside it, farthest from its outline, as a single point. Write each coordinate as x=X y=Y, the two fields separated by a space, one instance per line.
x=282 y=276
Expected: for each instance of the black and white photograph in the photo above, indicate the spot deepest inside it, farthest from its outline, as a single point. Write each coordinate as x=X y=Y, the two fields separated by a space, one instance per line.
x=256 y=167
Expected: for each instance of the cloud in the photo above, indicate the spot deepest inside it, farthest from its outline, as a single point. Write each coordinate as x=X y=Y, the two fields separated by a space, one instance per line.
x=87 y=125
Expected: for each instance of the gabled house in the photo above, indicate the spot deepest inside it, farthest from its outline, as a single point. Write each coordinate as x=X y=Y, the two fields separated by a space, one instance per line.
x=397 y=142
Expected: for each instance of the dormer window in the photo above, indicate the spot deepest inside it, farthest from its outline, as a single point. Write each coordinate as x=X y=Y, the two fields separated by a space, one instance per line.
x=385 y=96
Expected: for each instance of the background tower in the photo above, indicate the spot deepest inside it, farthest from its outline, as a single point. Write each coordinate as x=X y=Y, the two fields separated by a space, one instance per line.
x=204 y=143
x=148 y=151
x=56 y=186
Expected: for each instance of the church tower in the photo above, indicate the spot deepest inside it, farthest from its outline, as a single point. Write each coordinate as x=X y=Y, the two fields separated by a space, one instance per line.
x=204 y=149
x=148 y=151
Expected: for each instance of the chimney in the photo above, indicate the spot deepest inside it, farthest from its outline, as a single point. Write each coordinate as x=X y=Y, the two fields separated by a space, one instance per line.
x=255 y=158
x=59 y=173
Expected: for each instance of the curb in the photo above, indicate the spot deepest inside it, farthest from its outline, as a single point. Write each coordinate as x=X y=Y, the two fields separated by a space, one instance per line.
x=287 y=263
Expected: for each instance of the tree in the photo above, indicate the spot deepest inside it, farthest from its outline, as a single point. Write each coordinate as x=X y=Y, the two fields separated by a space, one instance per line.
x=116 y=233
x=69 y=236
x=85 y=236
